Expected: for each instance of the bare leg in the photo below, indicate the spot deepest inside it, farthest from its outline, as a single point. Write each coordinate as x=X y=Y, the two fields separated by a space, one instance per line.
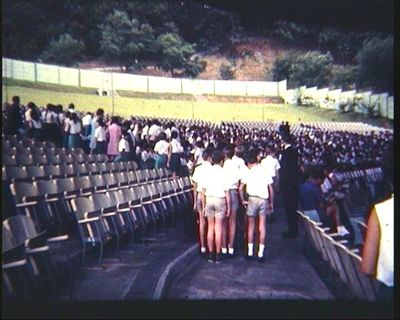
x=250 y=229
x=202 y=229
x=232 y=228
x=218 y=233
x=262 y=229
x=224 y=232
x=210 y=234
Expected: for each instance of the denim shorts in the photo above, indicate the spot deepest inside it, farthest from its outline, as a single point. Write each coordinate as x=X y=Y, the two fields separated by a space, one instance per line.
x=215 y=207
x=257 y=207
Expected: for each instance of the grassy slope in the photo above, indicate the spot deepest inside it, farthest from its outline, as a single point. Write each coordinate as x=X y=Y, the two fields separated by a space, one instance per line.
x=204 y=110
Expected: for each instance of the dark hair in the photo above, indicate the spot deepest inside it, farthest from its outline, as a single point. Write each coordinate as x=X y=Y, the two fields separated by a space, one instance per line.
x=74 y=117
x=174 y=134
x=35 y=114
x=316 y=172
x=71 y=106
x=15 y=99
x=228 y=151
x=239 y=150
x=162 y=136
x=100 y=121
x=206 y=154
x=99 y=112
x=115 y=119
x=217 y=157
x=250 y=157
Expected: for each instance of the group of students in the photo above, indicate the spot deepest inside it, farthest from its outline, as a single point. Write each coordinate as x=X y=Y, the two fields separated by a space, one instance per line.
x=225 y=181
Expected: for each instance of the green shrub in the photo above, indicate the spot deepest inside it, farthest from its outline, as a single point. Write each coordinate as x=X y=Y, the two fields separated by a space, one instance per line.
x=227 y=71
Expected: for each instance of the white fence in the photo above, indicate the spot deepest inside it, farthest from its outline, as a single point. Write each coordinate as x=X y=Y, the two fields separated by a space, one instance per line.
x=331 y=99
x=324 y=97
x=31 y=71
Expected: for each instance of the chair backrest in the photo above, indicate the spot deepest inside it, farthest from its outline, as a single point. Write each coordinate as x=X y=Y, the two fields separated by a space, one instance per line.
x=82 y=205
x=21 y=228
x=8 y=241
x=23 y=189
x=16 y=173
x=24 y=160
x=36 y=172
x=45 y=187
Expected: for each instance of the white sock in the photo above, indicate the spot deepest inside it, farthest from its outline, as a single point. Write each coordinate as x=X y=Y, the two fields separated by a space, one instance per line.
x=230 y=250
x=250 y=249
x=203 y=249
x=224 y=250
x=261 y=250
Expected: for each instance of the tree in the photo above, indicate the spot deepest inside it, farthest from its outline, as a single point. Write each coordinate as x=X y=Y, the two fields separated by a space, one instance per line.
x=227 y=71
x=174 y=52
x=375 y=61
x=65 y=51
x=310 y=69
x=124 y=41
x=344 y=77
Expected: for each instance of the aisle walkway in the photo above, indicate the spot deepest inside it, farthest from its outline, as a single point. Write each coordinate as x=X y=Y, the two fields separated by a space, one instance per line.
x=285 y=274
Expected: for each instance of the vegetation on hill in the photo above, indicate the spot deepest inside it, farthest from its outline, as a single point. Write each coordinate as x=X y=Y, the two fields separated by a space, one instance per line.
x=210 y=39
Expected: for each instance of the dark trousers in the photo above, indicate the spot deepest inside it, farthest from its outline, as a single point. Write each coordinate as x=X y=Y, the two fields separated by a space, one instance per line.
x=290 y=197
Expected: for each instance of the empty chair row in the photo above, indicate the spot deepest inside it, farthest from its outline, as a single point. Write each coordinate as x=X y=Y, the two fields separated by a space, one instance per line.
x=20 y=149
x=14 y=140
x=342 y=258
x=45 y=172
x=23 y=159
x=45 y=194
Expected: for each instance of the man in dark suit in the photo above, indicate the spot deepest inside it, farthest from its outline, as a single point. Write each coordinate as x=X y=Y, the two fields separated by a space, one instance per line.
x=289 y=185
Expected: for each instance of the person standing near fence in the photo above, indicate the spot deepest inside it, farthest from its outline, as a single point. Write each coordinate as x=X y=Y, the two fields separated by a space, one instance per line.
x=174 y=158
x=162 y=149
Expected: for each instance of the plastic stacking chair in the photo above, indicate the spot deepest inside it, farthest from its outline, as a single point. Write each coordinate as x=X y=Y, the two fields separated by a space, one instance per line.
x=24 y=160
x=111 y=181
x=39 y=159
x=54 y=159
x=90 y=158
x=9 y=160
x=52 y=171
x=67 y=170
x=148 y=205
x=92 y=168
x=92 y=230
x=132 y=178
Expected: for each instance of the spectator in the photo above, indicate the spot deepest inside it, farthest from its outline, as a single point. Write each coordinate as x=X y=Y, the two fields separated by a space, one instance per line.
x=200 y=173
x=174 y=159
x=215 y=200
x=14 y=124
x=123 y=148
x=93 y=124
x=378 y=252
x=114 y=135
x=50 y=124
x=74 y=129
x=33 y=121
x=260 y=202
x=99 y=137
x=288 y=184
x=162 y=149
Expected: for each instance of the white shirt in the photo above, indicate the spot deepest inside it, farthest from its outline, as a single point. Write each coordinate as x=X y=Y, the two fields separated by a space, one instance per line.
x=49 y=117
x=86 y=120
x=145 y=131
x=215 y=182
x=271 y=165
x=176 y=146
x=123 y=145
x=240 y=162
x=385 y=263
x=199 y=173
x=161 y=147
x=154 y=131
x=100 y=134
x=198 y=155
x=233 y=173
x=74 y=127
x=257 y=180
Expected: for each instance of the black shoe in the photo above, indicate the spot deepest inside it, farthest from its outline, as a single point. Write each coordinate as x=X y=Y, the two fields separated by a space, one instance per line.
x=218 y=258
x=289 y=235
x=231 y=255
x=210 y=257
x=261 y=259
x=203 y=254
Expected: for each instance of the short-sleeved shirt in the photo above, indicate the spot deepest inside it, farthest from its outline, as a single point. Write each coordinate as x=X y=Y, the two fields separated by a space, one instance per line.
x=257 y=182
x=199 y=173
x=176 y=147
x=233 y=172
x=161 y=147
x=215 y=182
x=271 y=165
x=123 y=145
x=100 y=134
